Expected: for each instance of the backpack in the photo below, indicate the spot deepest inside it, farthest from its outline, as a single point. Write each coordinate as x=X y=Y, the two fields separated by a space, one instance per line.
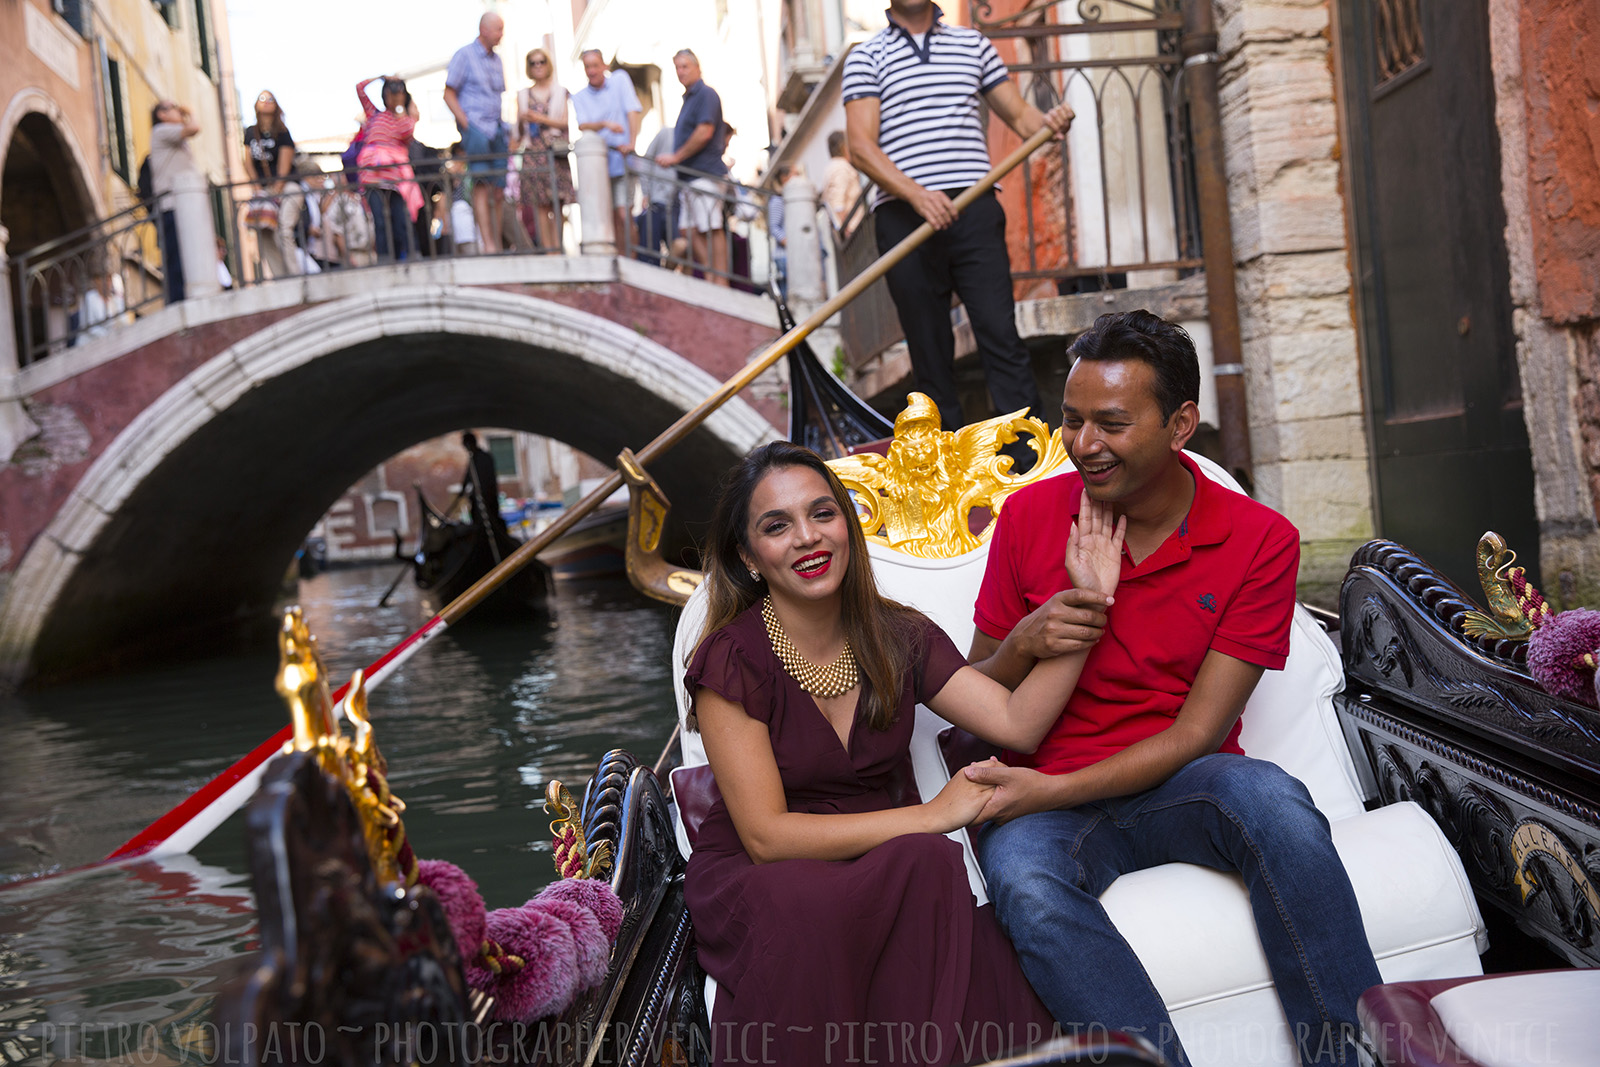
x=145 y=184
x=351 y=156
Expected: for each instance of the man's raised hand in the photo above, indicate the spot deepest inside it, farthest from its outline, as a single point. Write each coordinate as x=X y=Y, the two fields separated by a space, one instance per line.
x=1094 y=547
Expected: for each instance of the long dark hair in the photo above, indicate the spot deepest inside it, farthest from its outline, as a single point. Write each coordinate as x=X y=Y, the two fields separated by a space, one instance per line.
x=881 y=632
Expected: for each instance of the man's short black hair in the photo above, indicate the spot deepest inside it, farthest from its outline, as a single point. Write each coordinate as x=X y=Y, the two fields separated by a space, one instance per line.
x=836 y=143
x=1166 y=346
x=470 y=441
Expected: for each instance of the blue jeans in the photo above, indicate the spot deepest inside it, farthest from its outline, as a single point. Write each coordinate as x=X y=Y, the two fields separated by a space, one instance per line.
x=656 y=226
x=391 y=224
x=1228 y=812
x=171 y=257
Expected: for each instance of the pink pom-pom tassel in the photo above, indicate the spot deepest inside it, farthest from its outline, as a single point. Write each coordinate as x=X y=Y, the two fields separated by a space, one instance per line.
x=1558 y=652
x=463 y=909
x=538 y=971
x=593 y=894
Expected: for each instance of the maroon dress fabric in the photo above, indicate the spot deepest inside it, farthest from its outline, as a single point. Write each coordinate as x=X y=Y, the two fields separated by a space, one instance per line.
x=882 y=959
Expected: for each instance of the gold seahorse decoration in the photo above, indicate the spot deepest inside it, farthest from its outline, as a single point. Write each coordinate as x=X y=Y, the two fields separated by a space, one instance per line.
x=574 y=857
x=355 y=763
x=647 y=521
x=1516 y=608
x=918 y=497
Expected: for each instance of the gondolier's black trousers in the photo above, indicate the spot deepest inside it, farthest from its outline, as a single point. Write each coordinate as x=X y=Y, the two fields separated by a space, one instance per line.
x=970 y=260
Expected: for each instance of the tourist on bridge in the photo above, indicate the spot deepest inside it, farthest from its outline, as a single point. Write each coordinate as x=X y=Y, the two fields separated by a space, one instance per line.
x=841 y=186
x=608 y=105
x=347 y=227
x=385 y=162
x=912 y=117
x=271 y=150
x=657 y=224
x=545 y=181
x=474 y=85
x=171 y=127
x=699 y=140
x=778 y=231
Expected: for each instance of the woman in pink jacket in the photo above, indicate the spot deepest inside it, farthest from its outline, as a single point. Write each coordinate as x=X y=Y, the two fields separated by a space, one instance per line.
x=385 y=162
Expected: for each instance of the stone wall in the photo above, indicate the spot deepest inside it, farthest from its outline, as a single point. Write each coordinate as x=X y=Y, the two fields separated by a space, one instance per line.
x=1281 y=133
x=1547 y=94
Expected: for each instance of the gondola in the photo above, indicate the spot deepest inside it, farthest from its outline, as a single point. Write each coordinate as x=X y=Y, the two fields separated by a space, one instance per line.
x=453 y=554
x=594 y=548
x=1457 y=789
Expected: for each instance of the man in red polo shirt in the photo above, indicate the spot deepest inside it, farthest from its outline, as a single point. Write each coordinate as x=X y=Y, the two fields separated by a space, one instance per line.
x=1144 y=766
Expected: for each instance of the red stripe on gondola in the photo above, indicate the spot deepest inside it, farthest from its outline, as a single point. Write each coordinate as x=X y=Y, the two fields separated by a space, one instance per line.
x=208 y=794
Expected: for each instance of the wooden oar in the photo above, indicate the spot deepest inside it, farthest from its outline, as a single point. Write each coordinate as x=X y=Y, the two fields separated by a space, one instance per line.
x=186 y=825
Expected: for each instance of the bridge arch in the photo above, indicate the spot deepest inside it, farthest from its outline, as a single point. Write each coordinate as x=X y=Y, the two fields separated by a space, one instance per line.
x=40 y=111
x=184 y=524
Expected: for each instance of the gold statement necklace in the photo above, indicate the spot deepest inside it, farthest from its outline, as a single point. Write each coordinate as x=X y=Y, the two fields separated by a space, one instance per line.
x=836 y=679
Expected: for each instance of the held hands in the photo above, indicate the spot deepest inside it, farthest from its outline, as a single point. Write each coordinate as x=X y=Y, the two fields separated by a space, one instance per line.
x=1014 y=791
x=959 y=802
x=1094 y=547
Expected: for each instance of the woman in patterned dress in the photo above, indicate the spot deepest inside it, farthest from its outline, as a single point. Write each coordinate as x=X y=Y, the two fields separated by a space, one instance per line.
x=545 y=181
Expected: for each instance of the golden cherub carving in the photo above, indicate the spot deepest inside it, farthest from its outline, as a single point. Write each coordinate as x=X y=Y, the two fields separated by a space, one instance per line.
x=918 y=497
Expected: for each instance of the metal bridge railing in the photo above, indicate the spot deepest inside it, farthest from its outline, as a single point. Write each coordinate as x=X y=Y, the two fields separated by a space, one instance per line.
x=87 y=283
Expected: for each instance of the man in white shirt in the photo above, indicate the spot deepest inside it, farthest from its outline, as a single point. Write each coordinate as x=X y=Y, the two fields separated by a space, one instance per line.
x=608 y=105
x=171 y=127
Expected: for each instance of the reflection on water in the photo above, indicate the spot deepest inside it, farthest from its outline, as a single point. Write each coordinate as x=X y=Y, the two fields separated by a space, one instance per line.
x=473 y=727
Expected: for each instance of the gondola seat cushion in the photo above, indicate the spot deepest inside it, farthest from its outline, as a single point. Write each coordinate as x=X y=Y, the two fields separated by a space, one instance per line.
x=1191 y=927
x=1542 y=1017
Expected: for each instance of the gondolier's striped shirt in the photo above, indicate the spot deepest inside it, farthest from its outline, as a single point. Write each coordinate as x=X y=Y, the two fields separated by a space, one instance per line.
x=928 y=118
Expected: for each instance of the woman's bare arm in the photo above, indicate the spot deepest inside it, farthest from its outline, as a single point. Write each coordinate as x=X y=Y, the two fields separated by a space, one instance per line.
x=739 y=749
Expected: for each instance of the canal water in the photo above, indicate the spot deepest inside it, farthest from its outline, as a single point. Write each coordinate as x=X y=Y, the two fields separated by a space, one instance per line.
x=122 y=962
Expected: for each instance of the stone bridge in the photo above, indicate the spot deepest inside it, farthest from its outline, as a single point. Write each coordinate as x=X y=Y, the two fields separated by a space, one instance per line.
x=156 y=481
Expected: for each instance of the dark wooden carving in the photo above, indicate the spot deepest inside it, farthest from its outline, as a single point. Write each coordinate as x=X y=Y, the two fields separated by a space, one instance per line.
x=1401 y=631
x=621 y=1020
x=1510 y=773
x=350 y=972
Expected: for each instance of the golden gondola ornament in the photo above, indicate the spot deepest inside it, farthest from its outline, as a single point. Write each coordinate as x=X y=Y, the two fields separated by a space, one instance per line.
x=919 y=496
x=574 y=858
x=1516 y=608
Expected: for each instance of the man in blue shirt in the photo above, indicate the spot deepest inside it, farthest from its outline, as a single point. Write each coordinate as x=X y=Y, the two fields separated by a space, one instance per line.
x=473 y=86
x=608 y=105
x=699 y=140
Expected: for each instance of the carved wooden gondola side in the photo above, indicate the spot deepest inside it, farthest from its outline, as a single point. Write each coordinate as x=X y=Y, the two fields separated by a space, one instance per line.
x=1440 y=709
x=650 y=1000
x=357 y=962
x=347 y=974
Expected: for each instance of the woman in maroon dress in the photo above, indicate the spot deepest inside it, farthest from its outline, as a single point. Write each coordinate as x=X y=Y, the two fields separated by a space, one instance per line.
x=836 y=918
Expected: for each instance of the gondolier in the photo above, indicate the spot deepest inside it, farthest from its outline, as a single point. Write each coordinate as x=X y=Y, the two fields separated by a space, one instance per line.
x=911 y=95
x=480 y=484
